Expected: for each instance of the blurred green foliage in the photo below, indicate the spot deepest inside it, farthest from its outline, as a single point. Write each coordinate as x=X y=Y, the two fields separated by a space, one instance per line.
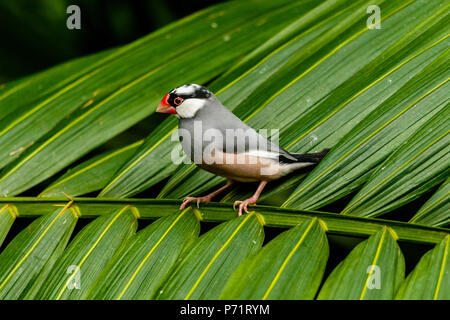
x=35 y=36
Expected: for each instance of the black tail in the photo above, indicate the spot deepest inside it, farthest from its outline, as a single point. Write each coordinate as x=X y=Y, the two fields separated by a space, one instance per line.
x=311 y=157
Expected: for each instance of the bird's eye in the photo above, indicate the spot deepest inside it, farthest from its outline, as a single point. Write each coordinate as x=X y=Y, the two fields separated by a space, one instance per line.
x=178 y=101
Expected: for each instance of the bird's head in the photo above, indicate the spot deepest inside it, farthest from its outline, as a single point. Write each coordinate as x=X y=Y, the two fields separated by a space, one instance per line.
x=185 y=101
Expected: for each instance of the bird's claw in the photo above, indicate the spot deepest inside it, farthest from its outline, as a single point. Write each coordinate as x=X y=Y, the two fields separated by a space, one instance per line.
x=243 y=205
x=188 y=200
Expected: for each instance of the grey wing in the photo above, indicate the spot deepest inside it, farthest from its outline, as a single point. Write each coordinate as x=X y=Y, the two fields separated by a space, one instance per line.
x=238 y=137
x=268 y=149
x=244 y=139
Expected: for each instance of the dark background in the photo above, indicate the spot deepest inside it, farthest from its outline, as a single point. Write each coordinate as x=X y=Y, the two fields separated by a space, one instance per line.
x=35 y=36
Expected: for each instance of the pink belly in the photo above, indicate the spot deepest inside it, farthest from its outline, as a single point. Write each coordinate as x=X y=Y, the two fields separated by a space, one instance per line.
x=242 y=168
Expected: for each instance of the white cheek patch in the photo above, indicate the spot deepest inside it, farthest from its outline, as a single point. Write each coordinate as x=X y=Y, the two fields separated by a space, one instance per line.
x=189 y=107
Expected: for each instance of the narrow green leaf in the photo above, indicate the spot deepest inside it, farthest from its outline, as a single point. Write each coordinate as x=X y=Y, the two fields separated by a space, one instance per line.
x=86 y=256
x=290 y=266
x=296 y=43
x=374 y=138
x=435 y=212
x=7 y=216
x=189 y=177
x=147 y=166
x=144 y=263
x=305 y=23
x=30 y=256
x=204 y=271
x=91 y=175
x=373 y=270
x=430 y=279
x=30 y=121
x=419 y=164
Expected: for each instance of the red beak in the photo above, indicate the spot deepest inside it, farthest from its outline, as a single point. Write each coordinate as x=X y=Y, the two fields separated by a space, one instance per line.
x=165 y=107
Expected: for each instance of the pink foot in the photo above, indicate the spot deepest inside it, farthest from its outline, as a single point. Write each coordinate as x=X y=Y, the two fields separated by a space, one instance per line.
x=188 y=200
x=244 y=204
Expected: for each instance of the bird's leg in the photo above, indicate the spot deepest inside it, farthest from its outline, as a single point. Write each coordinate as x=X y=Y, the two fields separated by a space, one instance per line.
x=252 y=200
x=206 y=198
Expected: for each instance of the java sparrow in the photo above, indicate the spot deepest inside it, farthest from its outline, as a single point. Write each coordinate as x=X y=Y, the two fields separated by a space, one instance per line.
x=219 y=142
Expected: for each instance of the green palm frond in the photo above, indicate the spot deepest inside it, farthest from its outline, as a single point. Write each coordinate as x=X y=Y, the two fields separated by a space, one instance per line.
x=312 y=69
x=168 y=260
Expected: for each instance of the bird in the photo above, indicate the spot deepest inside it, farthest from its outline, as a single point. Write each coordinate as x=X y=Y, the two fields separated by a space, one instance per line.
x=219 y=142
